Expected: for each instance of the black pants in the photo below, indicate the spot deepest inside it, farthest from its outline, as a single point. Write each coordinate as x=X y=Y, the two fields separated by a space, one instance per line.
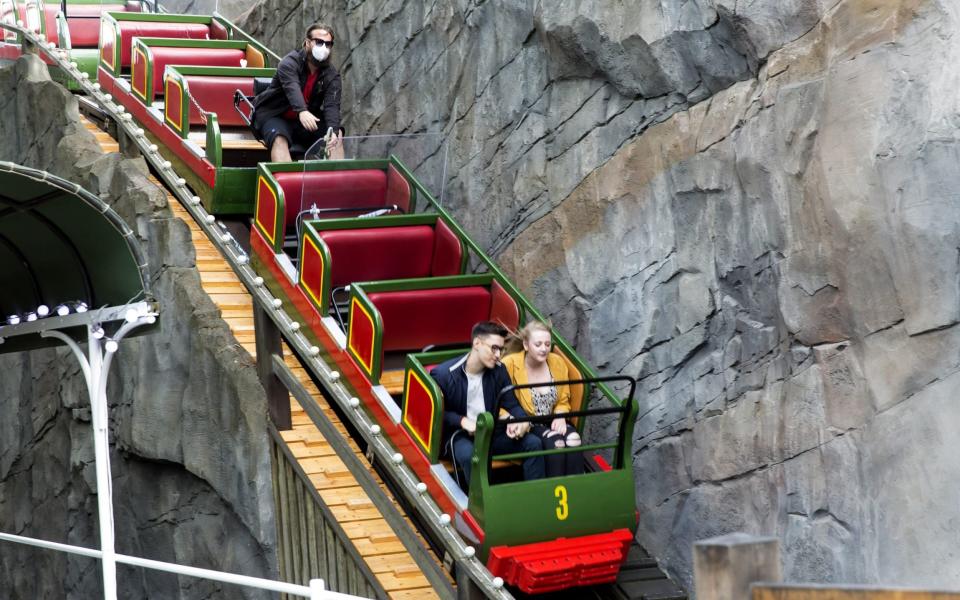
x=558 y=464
x=295 y=133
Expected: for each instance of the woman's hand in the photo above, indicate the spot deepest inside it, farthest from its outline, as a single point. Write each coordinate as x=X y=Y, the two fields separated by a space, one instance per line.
x=559 y=425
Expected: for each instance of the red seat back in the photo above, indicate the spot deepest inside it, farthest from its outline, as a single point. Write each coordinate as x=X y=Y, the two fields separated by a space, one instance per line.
x=447 y=251
x=215 y=94
x=131 y=29
x=331 y=189
x=414 y=319
x=379 y=253
x=208 y=57
x=83 y=21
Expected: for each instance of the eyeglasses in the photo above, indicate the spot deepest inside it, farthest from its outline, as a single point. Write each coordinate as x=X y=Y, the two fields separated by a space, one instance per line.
x=494 y=349
x=328 y=44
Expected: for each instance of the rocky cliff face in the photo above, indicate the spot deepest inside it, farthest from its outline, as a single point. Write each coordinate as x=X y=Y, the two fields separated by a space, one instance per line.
x=750 y=206
x=188 y=415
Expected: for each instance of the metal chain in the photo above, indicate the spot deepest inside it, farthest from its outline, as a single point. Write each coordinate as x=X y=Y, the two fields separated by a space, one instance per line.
x=203 y=113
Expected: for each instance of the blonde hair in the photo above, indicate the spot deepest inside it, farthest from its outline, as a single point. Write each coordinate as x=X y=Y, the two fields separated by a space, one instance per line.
x=517 y=338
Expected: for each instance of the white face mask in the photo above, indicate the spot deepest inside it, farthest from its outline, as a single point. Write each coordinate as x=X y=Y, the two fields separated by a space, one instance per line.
x=320 y=52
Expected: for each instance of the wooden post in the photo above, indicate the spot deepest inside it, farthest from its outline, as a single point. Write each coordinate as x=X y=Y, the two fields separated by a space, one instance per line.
x=269 y=344
x=725 y=566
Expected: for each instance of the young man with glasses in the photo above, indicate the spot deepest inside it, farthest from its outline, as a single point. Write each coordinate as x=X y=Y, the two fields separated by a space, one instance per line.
x=470 y=385
x=303 y=99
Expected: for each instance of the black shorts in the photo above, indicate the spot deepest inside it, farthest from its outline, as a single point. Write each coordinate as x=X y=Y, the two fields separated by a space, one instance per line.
x=295 y=133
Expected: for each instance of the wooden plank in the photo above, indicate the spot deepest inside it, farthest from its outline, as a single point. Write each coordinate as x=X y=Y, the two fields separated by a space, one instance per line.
x=796 y=592
x=393 y=381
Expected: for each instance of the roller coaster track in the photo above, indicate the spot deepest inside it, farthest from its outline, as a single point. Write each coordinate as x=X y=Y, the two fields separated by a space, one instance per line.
x=376 y=526
x=377 y=542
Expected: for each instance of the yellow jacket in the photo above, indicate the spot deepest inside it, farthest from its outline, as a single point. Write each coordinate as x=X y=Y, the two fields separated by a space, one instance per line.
x=518 y=375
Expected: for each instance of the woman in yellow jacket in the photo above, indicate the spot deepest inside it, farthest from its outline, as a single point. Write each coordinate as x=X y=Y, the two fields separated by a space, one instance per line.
x=536 y=364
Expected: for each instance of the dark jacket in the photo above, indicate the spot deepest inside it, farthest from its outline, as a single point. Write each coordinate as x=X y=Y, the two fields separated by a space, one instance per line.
x=286 y=92
x=452 y=379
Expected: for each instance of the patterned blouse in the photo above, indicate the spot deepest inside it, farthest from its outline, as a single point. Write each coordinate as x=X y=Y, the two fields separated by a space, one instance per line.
x=544 y=401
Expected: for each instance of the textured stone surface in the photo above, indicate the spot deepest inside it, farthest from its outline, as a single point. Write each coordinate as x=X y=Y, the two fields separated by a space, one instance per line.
x=190 y=451
x=751 y=206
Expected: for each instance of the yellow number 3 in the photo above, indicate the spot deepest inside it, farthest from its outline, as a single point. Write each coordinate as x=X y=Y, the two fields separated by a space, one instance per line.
x=563 y=511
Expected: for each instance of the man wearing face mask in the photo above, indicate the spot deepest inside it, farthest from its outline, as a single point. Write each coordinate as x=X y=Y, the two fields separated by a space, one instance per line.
x=303 y=99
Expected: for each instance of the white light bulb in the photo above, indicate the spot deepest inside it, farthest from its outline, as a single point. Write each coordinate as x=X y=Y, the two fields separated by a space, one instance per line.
x=111 y=346
x=397 y=458
x=131 y=315
x=294 y=325
x=63 y=310
x=314 y=350
x=375 y=429
x=81 y=307
x=195 y=200
x=469 y=551
x=277 y=302
x=31 y=317
x=151 y=320
x=167 y=164
x=334 y=376
x=422 y=487
x=107 y=97
x=43 y=310
x=96 y=86
x=242 y=259
x=258 y=281
x=153 y=148
x=498 y=582
x=181 y=181
x=354 y=402
x=13 y=320
x=444 y=519
x=211 y=219
x=98 y=333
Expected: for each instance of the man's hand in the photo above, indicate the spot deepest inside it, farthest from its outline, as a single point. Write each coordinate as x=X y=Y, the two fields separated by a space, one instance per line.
x=308 y=121
x=516 y=431
x=468 y=425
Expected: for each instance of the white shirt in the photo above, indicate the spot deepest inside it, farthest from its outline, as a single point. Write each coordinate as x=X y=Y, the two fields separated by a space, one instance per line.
x=475 y=404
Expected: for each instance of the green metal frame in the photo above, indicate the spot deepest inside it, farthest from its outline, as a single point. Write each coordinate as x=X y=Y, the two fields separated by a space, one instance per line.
x=415 y=363
x=144 y=44
x=359 y=292
x=180 y=73
x=267 y=169
x=112 y=19
x=545 y=501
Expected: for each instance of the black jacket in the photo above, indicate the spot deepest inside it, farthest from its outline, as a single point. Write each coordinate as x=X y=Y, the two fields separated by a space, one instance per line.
x=452 y=379
x=286 y=92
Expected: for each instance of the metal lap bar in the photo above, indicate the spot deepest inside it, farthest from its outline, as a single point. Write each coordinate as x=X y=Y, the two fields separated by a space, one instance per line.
x=623 y=409
x=570 y=450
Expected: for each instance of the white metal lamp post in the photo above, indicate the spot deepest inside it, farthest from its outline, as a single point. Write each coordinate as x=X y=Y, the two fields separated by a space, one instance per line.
x=96 y=369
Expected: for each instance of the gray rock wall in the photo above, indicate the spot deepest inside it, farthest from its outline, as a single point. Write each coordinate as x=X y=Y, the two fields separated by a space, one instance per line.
x=750 y=206
x=190 y=452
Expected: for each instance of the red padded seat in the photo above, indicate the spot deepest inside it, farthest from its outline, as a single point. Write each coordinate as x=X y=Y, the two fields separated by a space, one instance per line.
x=215 y=94
x=83 y=20
x=208 y=57
x=84 y=32
x=331 y=189
x=379 y=253
x=132 y=29
x=414 y=319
